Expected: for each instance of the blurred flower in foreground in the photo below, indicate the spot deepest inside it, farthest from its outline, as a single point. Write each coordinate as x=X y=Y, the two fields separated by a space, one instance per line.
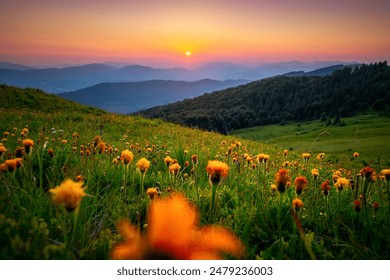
x=172 y=233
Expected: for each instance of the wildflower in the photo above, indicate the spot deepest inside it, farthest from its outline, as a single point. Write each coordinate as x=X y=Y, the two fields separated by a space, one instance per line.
x=282 y=180
x=300 y=183
x=5 y=134
x=101 y=146
x=79 y=178
x=68 y=194
x=13 y=164
x=325 y=187
x=297 y=204
x=143 y=165
x=375 y=206
x=306 y=156
x=217 y=170
x=64 y=142
x=50 y=152
x=320 y=156
x=151 y=192
x=357 y=205
x=285 y=152
x=174 y=168
x=28 y=144
x=273 y=188
x=173 y=233
x=355 y=155
x=2 y=150
x=115 y=161
x=368 y=173
x=168 y=160
x=3 y=167
x=315 y=173
x=126 y=157
x=341 y=183
x=386 y=173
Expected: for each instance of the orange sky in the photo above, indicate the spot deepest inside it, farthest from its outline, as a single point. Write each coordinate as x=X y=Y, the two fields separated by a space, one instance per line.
x=159 y=33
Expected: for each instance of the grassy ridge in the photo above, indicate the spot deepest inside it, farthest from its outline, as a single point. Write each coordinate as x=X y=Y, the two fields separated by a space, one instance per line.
x=32 y=226
x=367 y=134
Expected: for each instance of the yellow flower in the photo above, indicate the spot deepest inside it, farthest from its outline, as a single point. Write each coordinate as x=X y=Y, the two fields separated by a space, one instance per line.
x=174 y=168
x=306 y=156
x=315 y=173
x=168 y=160
x=143 y=165
x=386 y=173
x=151 y=192
x=12 y=164
x=342 y=183
x=172 y=233
x=68 y=194
x=127 y=157
x=355 y=154
x=217 y=170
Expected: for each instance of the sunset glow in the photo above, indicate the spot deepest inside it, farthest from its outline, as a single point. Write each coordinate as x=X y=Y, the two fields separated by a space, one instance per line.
x=156 y=33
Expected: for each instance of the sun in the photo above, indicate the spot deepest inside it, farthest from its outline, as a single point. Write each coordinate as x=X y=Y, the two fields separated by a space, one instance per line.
x=188 y=53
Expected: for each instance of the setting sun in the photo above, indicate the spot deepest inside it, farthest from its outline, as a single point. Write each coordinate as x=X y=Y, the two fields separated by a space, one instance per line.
x=188 y=53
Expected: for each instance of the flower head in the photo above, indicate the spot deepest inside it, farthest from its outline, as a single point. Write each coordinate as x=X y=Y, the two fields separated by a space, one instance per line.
x=300 y=183
x=174 y=168
x=126 y=157
x=357 y=205
x=282 y=180
x=297 y=204
x=368 y=173
x=168 y=160
x=68 y=194
x=386 y=173
x=143 y=165
x=315 y=172
x=342 y=183
x=151 y=192
x=217 y=170
x=27 y=144
x=325 y=187
x=13 y=164
x=172 y=233
x=355 y=154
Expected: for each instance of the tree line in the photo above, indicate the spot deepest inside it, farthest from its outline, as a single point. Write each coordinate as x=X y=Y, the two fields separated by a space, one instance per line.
x=280 y=99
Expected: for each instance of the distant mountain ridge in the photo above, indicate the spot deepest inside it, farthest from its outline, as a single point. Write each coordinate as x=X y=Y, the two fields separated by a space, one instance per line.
x=130 y=97
x=56 y=80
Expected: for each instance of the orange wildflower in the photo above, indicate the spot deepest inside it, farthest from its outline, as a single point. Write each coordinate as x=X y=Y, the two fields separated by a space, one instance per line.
x=368 y=173
x=386 y=173
x=342 y=183
x=13 y=164
x=282 y=180
x=300 y=183
x=355 y=154
x=151 y=192
x=27 y=144
x=172 y=233
x=68 y=194
x=357 y=205
x=143 y=165
x=127 y=157
x=174 y=168
x=315 y=173
x=217 y=170
x=2 y=150
x=50 y=152
x=297 y=204
x=168 y=160
x=325 y=187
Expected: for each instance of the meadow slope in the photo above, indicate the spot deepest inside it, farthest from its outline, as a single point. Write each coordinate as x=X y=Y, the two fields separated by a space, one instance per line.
x=277 y=203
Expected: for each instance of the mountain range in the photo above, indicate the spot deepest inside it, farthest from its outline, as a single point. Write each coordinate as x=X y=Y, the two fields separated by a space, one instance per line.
x=130 y=97
x=58 y=80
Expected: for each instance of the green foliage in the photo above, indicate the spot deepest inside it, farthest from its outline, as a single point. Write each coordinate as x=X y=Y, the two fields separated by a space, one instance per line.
x=344 y=93
x=33 y=227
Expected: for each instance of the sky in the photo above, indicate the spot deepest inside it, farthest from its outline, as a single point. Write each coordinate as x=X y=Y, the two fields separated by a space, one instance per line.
x=161 y=33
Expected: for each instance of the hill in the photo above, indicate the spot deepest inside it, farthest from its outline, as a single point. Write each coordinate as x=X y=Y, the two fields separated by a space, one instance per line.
x=79 y=183
x=65 y=79
x=127 y=98
x=281 y=99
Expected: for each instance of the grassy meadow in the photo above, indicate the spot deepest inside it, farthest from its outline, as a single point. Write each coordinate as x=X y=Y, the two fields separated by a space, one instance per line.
x=202 y=195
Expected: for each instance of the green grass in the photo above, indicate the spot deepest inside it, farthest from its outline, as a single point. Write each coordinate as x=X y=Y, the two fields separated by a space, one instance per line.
x=367 y=134
x=32 y=226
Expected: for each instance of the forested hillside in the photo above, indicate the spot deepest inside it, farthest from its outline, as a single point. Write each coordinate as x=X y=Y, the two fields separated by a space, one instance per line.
x=279 y=99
